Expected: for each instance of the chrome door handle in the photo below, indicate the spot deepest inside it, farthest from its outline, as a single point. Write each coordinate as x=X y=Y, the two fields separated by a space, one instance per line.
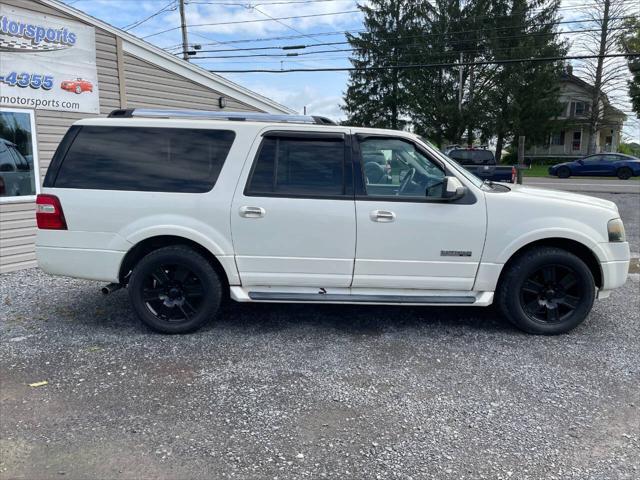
x=252 y=212
x=383 y=216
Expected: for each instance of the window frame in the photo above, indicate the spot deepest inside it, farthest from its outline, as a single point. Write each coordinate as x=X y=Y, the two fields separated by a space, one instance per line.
x=361 y=191
x=36 y=163
x=347 y=167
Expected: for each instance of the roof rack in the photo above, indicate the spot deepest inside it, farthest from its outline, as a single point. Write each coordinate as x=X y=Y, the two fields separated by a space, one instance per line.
x=219 y=115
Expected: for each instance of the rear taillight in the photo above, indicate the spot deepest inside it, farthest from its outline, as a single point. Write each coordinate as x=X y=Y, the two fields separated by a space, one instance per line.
x=49 y=213
x=514 y=174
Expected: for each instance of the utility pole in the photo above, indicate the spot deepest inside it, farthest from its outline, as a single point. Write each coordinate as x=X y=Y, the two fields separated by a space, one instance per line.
x=460 y=132
x=183 y=26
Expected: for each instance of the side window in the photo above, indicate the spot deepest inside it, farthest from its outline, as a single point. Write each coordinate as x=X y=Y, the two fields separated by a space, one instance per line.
x=394 y=167
x=299 y=166
x=145 y=159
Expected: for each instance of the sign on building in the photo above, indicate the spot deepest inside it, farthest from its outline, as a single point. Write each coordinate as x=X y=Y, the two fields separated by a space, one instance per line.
x=47 y=63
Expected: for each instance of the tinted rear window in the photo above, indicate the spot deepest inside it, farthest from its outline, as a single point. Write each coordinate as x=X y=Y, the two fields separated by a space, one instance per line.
x=145 y=159
x=472 y=156
x=296 y=166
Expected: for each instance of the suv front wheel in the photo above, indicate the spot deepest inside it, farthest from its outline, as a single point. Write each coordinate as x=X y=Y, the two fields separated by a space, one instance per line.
x=546 y=291
x=175 y=290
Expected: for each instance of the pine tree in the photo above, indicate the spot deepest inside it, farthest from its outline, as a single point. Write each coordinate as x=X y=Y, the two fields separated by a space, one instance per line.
x=378 y=97
x=630 y=43
x=524 y=97
x=447 y=101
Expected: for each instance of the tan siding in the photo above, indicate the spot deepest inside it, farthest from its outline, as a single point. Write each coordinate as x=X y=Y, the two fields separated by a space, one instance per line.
x=145 y=84
x=152 y=87
x=17 y=221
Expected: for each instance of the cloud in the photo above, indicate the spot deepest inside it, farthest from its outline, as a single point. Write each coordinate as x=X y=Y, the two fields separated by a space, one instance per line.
x=317 y=102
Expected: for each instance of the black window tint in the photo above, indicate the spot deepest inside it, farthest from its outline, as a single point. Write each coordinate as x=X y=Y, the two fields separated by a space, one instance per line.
x=297 y=166
x=146 y=159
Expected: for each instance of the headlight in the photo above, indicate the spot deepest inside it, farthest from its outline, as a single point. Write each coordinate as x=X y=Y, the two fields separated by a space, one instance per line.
x=616 y=230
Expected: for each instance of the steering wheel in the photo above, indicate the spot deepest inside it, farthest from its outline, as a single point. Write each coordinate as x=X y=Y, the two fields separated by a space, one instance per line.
x=406 y=181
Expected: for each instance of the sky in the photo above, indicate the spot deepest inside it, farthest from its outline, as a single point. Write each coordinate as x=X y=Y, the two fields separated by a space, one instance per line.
x=324 y=21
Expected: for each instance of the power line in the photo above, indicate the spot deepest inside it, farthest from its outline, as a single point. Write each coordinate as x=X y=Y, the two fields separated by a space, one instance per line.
x=263 y=3
x=153 y=15
x=434 y=65
x=285 y=25
x=254 y=21
x=301 y=47
x=459 y=32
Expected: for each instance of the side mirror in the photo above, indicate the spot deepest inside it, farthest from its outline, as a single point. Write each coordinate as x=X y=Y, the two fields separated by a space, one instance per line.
x=452 y=189
x=581 y=162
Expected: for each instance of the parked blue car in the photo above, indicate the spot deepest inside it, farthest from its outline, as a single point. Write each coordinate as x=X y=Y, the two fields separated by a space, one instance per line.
x=600 y=165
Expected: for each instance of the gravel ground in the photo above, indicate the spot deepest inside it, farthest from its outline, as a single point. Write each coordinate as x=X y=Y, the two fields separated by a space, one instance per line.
x=289 y=391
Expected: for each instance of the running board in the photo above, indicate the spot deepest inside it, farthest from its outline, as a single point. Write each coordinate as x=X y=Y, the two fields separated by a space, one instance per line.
x=347 y=298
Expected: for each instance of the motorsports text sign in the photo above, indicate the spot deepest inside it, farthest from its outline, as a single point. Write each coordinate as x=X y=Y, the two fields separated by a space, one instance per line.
x=47 y=62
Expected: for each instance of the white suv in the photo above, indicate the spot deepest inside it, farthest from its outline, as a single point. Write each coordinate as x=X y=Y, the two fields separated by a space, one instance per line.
x=181 y=207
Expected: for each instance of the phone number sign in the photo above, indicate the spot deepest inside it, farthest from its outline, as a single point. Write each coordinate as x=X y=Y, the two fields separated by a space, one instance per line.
x=47 y=62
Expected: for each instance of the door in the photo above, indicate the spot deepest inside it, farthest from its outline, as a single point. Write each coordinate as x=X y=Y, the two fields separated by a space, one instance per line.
x=407 y=239
x=293 y=215
x=594 y=165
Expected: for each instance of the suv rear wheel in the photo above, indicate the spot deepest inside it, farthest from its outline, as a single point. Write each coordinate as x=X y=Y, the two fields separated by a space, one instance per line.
x=175 y=290
x=546 y=291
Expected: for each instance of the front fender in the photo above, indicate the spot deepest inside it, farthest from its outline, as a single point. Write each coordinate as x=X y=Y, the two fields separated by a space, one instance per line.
x=549 y=233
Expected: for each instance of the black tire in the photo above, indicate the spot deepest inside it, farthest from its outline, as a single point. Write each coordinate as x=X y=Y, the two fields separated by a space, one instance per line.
x=564 y=172
x=175 y=290
x=624 y=173
x=78 y=90
x=546 y=291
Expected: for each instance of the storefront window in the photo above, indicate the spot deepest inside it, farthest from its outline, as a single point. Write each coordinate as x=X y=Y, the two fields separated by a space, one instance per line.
x=18 y=155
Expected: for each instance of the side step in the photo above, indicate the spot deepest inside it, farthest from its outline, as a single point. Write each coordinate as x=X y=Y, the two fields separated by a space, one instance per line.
x=347 y=298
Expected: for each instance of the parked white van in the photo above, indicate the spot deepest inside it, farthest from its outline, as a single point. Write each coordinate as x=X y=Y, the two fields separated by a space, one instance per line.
x=181 y=207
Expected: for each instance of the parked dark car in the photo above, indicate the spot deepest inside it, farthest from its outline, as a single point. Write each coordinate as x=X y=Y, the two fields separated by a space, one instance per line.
x=599 y=165
x=482 y=163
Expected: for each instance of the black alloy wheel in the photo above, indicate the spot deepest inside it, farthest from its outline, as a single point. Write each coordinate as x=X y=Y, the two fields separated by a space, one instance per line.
x=175 y=290
x=546 y=290
x=173 y=293
x=551 y=294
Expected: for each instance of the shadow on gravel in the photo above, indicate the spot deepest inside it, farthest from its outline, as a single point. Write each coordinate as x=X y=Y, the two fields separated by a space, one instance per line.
x=113 y=312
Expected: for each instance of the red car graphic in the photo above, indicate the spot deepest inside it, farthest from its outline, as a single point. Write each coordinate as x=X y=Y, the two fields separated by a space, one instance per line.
x=78 y=85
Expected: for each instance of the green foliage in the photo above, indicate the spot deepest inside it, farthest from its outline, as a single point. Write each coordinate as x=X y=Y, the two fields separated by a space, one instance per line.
x=503 y=99
x=378 y=97
x=630 y=42
x=630 y=149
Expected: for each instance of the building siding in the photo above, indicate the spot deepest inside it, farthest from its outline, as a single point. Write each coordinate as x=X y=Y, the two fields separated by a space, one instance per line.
x=148 y=86
x=145 y=85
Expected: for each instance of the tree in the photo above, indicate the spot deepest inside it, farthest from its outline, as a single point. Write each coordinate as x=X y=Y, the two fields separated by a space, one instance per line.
x=630 y=43
x=524 y=96
x=604 y=73
x=447 y=101
x=378 y=97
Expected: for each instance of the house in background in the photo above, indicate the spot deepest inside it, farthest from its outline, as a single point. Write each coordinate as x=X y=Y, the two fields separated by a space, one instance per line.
x=571 y=140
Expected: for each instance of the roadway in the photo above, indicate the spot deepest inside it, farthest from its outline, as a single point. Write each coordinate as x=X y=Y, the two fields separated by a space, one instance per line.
x=585 y=184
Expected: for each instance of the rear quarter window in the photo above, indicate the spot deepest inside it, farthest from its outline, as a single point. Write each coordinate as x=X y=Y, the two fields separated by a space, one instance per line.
x=467 y=157
x=145 y=159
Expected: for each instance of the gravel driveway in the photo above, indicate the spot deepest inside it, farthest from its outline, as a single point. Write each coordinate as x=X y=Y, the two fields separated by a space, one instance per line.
x=294 y=391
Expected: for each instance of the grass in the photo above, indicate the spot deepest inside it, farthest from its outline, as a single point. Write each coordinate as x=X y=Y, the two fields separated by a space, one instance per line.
x=536 y=171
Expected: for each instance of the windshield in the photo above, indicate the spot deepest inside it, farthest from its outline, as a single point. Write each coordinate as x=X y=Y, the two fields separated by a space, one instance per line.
x=454 y=165
x=467 y=156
